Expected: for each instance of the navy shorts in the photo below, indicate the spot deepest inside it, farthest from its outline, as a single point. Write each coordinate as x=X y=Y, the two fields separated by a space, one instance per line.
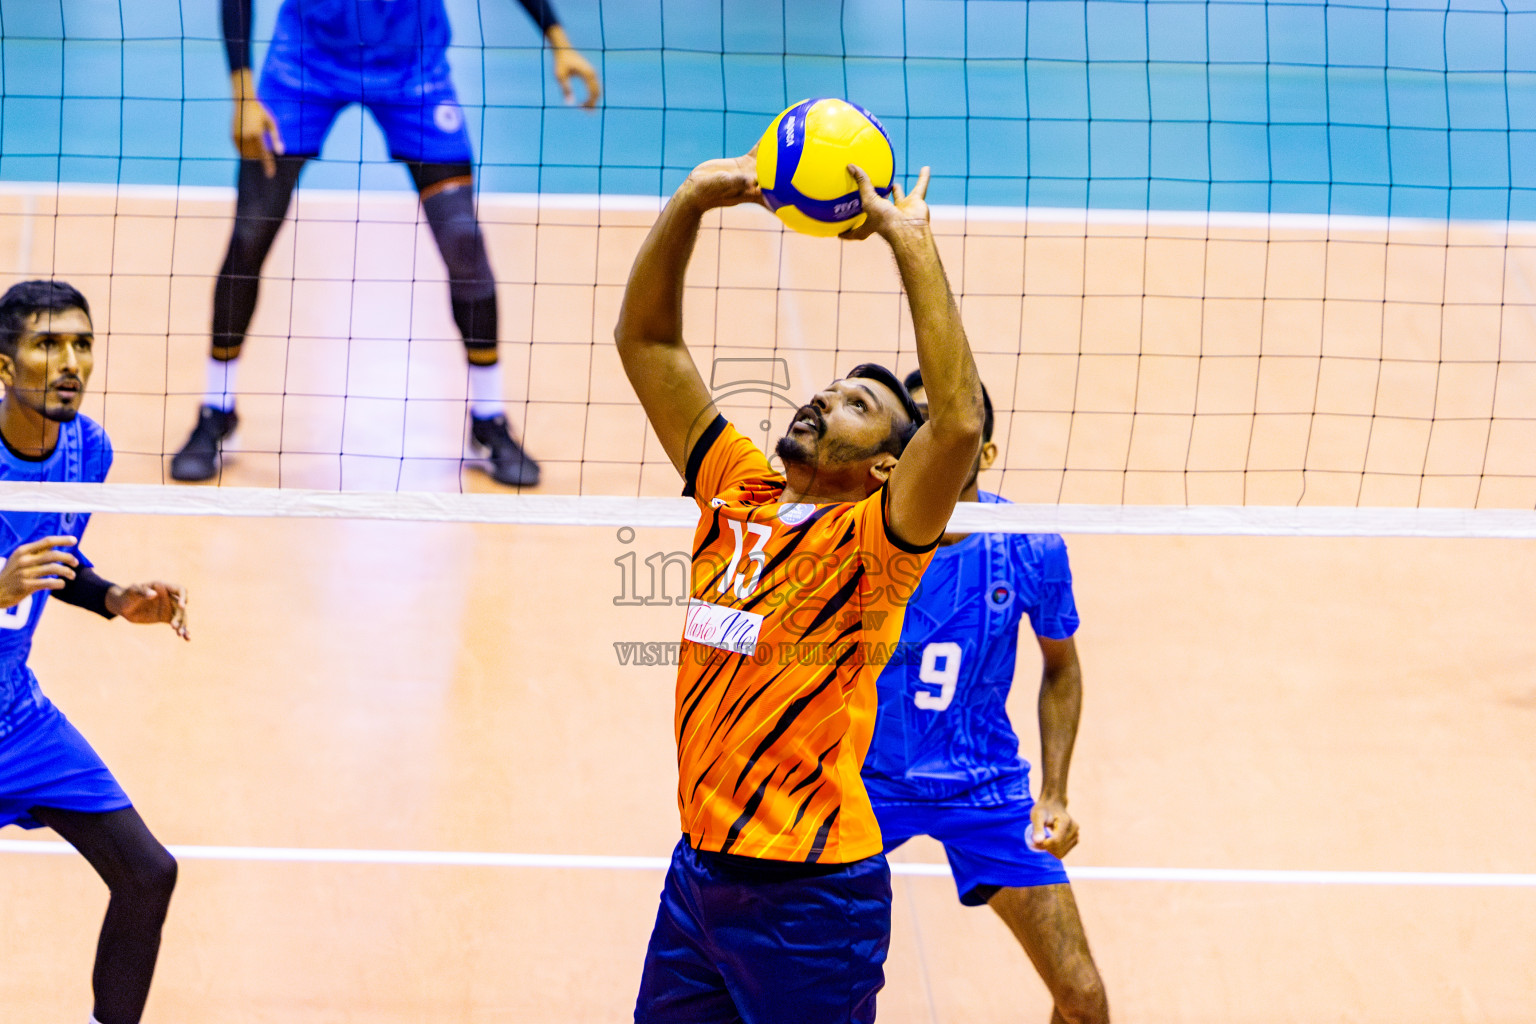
x=766 y=945
x=988 y=847
x=45 y=762
x=417 y=108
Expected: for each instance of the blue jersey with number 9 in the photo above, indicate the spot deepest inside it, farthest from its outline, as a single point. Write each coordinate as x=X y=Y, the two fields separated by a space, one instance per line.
x=83 y=455
x=942 y=732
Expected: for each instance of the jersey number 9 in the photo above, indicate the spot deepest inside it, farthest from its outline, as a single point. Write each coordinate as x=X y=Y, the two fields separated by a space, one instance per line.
x=947 y=653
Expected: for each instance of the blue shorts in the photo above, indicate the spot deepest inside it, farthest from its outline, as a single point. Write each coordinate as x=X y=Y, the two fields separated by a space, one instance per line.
x=759 y=946
x=988 y=847
x=45 y=762
x=417 y=108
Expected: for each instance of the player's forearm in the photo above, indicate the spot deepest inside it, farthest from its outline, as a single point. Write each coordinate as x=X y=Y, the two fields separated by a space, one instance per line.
x=543 y=14
x=556 y=37
x=652 y=311
x=950 y=380
x=236 y=18
x=1061 y=705
x=89 y=591
x=242 y=84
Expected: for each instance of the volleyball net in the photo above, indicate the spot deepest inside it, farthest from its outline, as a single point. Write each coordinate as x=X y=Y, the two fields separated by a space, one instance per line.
x=1226 y=267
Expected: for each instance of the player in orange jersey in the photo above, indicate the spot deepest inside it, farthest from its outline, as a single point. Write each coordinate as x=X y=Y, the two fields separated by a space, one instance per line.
x=777 y=904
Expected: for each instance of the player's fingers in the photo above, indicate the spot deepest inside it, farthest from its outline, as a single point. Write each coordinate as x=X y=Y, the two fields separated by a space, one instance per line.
x=897 y=195
x=866 y=188
x=47 y=556
x=46 y=569
x=1063 y=833
x=268 y=161
x=920 y=190
x=563 y=76
x=273 y=133
x=857 y=234
x=594 y=87
x=179 y=612
x=45 y=543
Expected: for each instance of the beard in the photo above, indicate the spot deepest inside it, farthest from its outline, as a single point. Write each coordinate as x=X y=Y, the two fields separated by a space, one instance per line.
x=47 y=407
x=793 y=448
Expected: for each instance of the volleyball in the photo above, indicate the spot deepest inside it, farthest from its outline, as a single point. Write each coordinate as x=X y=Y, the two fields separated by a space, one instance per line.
x=802 y=164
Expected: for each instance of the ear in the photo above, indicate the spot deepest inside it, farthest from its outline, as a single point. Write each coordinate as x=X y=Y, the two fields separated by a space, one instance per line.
x=7 y=370
x=987 y=456
x=881 y=468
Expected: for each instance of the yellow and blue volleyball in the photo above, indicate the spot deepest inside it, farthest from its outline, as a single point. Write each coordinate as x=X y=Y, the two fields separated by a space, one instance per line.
x=803 y=158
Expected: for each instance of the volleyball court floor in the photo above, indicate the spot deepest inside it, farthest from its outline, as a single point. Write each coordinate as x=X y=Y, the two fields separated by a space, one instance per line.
x=1281 y=704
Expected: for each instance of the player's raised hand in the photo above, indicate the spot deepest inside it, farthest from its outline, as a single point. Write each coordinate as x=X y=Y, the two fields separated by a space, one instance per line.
x=255 y=130
x=569 y=64
x=1051 y=828
x=150 y=603
x=37 y=565
x=883 y=216
x=729 y=181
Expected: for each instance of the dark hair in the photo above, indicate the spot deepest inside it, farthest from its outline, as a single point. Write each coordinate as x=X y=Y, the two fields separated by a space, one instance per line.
x=22 y=300
x=900 y=434
x=915 y=380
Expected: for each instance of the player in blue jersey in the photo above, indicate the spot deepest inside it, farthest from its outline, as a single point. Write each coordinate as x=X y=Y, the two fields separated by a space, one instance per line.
x=945 y=761
x=49 y=775
x=392 y=57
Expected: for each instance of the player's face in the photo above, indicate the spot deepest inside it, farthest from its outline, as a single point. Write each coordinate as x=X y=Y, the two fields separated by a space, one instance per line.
x=847 y=422
x=53 y=361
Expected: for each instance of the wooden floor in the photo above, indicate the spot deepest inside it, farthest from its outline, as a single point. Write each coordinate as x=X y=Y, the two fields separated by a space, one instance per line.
x=1283 y=704
x=1251 y=703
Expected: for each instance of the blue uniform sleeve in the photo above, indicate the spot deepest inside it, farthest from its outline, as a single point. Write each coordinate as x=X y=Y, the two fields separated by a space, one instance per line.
x=1054 y=614
x=541 y=12
x=236 y=16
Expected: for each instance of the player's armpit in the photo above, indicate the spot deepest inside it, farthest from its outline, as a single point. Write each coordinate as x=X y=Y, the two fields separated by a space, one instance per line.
x=672 y=392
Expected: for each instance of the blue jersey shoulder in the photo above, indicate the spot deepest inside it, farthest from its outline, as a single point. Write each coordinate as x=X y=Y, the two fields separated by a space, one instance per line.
x=1042 y=574
x=96 y=450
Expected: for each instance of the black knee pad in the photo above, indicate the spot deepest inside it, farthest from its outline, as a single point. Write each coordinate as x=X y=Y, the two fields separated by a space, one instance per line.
x=451 y=215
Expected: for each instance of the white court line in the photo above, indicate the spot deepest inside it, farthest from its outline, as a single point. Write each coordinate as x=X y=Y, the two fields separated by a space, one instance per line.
x=584 y=862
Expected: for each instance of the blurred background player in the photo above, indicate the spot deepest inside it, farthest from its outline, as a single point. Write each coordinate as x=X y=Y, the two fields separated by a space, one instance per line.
x=945 y=761
x=49 y=775
x=392 y=57
x=777 y=903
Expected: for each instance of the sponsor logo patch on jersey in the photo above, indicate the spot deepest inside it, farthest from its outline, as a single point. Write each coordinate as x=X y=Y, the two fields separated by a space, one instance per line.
x=730 y=629
x=1000 y=594
x=447 y=117
x=794 y=515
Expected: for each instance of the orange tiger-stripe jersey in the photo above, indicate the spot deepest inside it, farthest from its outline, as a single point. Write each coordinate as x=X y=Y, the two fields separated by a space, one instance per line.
x=793 y=609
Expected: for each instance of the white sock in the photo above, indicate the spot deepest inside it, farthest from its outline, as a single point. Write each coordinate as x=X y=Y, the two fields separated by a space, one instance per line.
x=484 y=391
x=221 y=384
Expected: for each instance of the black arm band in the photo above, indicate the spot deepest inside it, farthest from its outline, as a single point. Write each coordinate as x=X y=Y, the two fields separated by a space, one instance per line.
x=87 y=590
x=540 y=11
x=237 y=33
